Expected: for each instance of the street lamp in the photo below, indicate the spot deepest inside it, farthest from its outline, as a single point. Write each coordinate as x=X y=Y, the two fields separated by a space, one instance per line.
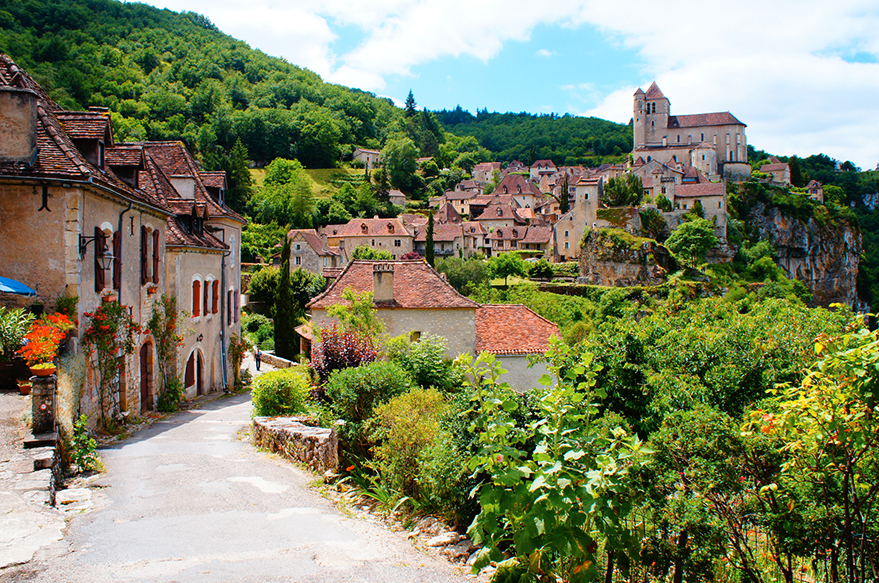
x=105 y=257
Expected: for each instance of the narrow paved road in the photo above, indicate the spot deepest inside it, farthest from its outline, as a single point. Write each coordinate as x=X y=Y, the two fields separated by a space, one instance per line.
x=189 y=500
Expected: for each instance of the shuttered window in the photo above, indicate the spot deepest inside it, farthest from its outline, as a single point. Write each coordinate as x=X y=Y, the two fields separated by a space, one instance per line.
x=207 y=309
x=156 y=257
x=100 y=275
x=229 y=307
x=117 y=260
x=216 y=297
x=196 y=298
x=144 y=255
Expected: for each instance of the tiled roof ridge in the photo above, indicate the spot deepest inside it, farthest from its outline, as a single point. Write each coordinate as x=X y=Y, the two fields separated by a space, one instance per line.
x=518 y=306
x=70 y=152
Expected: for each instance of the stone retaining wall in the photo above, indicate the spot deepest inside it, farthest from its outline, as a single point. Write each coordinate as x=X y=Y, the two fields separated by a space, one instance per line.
x=276 y=361
x=299 y=440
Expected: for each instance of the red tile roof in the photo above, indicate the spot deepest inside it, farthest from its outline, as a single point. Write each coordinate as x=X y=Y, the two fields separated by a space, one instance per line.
x=696 y=190
x=653 y=92
x=540 y=163
x=417 y=285
x=214 y=179
x=445 y=233
x=124 y=155
x=86 y=125
x=721 y=118
x=512 y=329
x=374 y=227
x=311 y=237
x=517 y=184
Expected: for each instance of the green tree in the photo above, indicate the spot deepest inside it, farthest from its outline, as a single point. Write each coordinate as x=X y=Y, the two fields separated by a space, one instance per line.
x=428 y=241
x=690 y=241
x=507 y=264
x=286 y=197
x=410 y=105
x=369 y=254
x=398 y=157
x=285 y=318
x=237 y=170
x=623 y=191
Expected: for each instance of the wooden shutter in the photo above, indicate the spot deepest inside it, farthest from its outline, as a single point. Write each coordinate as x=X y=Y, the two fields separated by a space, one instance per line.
x=216 y=298
x=144 y=244
x=196 y=298
x=237 y=307
x=100 y=276
x=189 y=379
x=204 y=303
x=229 y=308
x=117 y=260
x=156 y=257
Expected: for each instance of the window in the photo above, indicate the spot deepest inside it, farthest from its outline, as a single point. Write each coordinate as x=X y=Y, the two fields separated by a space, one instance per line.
x=196 y=298
x=229 y=307
x=144 y=255
x=373 y=243
x=679 y=138
x=397 y=243
x=204 y=303
x=117 y=260
x=567 y=245
x=566 y=233
x=298 y=260
x=100 y=275
x=325 y=261
x=297 y=246
x=215 y=289
x=156 y=257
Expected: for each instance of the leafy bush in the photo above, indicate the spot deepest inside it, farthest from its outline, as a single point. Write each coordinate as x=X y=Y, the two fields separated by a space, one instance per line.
x=83 y=447
x=465 y=275
x=281 y=392
x=402 y=428
x=14 y=325
x=338 y=349
x=354 y=392
x=169 y=399
x=540 y=269
x=264 y=285
x=426 y=363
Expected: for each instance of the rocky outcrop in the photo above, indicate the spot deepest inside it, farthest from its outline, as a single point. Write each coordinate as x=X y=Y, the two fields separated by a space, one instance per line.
x=294 y=437
x=612 y=257
x=823 y=256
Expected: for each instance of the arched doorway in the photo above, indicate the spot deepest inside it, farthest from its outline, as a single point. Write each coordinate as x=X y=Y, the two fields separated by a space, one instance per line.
x=146 y=377
x=195 y=372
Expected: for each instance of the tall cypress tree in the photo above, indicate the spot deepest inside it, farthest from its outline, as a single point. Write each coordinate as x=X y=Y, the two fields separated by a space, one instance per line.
x=238 y=172
x=428 y=242
x=285 y=318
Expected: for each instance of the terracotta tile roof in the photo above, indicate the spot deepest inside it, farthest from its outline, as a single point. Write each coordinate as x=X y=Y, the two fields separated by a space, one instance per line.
x=458 y=195
x=540 y=163
x=538 y=235
x=311 y=237
x=500 y=212
x=512 y=329
x=374 y=227
x=473 y=228
x=487 y=166
x=721 y=118
x=364 y=150
x=441 y=233
x=517 y=184
x=124 y=155
x=86 y=125
x=447 y=214
x=176 y=235
x=413 y=219
x=653 y=92
x=774 y=167
x=697 y=190
x=508 y=234
x=57 y=155
x=417 y=285
x=214 y=179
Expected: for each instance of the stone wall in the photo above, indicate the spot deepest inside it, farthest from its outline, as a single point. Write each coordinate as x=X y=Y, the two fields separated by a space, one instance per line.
x=604 y=262
x=299 y=440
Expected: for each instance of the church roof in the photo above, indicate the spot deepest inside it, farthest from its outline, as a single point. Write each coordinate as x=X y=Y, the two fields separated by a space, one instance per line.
x=654 y=92
x=721 y=118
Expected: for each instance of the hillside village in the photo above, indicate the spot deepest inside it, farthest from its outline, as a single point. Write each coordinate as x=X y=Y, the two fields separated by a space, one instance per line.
x=523 y=367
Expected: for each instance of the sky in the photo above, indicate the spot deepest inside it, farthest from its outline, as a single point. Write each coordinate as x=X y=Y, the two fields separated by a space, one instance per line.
x=803 y=75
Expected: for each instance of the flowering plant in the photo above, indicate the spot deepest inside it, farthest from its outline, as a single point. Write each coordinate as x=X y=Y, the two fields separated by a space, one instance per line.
x=43 y=339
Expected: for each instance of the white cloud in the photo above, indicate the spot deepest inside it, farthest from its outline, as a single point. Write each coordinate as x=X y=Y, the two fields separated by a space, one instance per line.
x=543 y=53
x=778 y=66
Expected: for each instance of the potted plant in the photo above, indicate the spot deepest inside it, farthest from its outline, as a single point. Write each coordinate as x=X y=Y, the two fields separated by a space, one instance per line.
x=24 y=386
x=42 y=342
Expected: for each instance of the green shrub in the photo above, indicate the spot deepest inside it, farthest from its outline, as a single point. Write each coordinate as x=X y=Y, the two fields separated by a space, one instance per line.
x=402 y=428
x=355 y=391
x=541 y=269
x=281 y=392
x=83 y=447
x=169 y=398
x=427 y=365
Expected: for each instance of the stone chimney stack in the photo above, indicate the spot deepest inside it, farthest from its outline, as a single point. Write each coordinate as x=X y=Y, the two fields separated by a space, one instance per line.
x=18 y=125
x=383 y=282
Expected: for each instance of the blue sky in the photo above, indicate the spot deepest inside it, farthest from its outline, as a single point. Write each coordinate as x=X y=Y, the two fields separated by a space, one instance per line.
x=802 y=74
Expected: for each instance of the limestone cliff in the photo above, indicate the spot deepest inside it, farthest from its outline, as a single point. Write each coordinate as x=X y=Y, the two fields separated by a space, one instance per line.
x=823 y=256
x=613 y=257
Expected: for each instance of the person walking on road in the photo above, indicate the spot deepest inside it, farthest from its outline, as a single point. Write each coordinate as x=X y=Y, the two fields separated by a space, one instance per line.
x=257 y=356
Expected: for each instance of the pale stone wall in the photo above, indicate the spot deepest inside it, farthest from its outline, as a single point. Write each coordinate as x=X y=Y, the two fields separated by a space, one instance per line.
x=303 y=256
x=456 y=325
x=380 y=242
x=518 y=375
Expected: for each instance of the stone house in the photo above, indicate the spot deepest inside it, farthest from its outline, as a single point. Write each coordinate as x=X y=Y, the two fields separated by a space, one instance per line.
x=471 y=186
x=778 y=170
x=370 y=158
x=448 y=239
x=475 y=239
x=83 y=216
x=203 y=264
x=542 y=168
x=815 y=191
x=388 y=234
x=413 y=299
x=484 y=171
x=309 y=251
x=534 y=240
x=567 y=232
x=397 y=198
x=71 y=227
x=500 y=214
x=714 y=142
x=523 y=191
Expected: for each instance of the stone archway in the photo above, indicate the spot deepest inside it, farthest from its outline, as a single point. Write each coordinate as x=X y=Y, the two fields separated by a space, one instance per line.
x=195 y=372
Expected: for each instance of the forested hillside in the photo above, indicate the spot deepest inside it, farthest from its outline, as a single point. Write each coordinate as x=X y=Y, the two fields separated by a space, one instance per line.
x=566 y=140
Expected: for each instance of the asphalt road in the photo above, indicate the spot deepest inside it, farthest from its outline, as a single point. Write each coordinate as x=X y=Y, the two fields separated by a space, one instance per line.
x=190 y=500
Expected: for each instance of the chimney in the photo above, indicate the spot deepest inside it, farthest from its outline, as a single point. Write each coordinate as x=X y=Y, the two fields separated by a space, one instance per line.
x=383 y=282
x=18 y=125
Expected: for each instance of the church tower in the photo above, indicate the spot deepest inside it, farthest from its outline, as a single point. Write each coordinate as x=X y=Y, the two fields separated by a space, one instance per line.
x=656 y=117
x=638 y=116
